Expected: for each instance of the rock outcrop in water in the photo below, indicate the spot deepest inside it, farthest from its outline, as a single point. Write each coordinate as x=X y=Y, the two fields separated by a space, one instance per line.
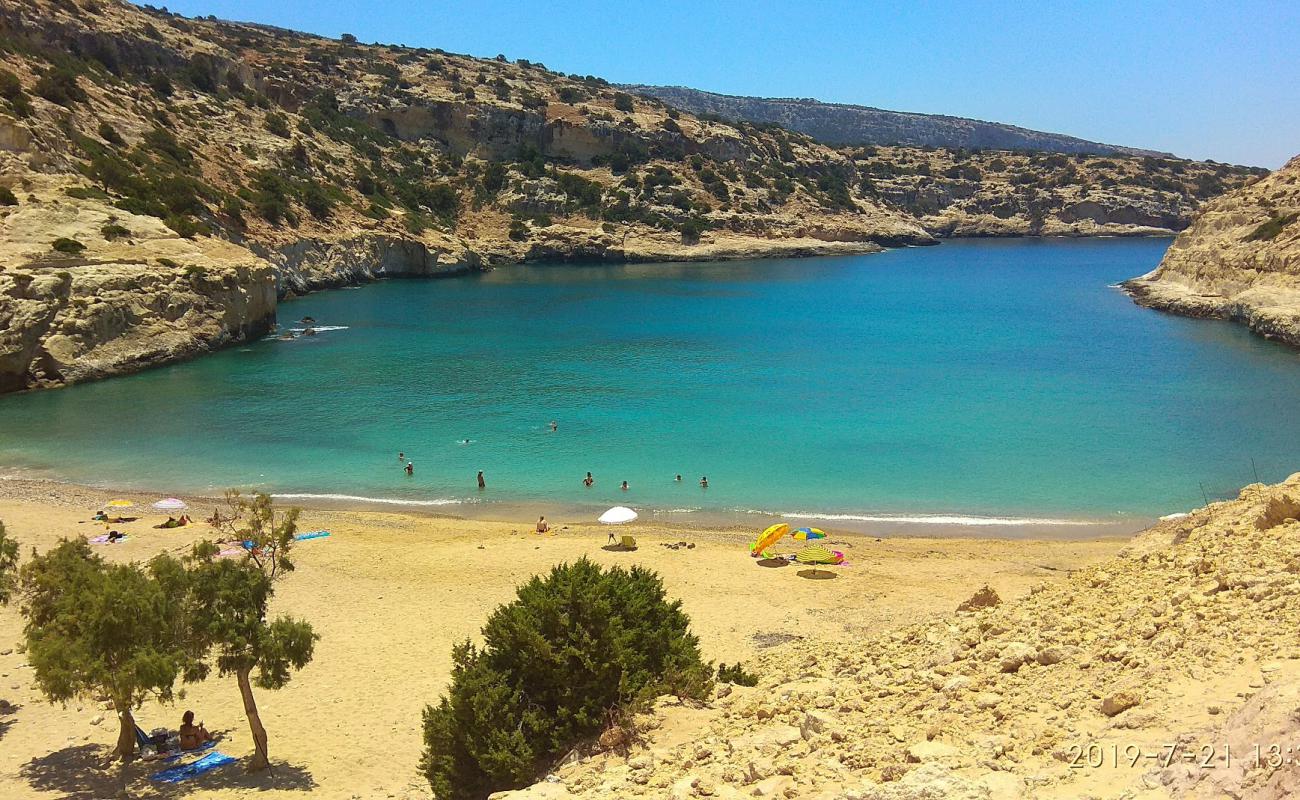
x=141 y=151
x=1187 y=637
x=1239 y=260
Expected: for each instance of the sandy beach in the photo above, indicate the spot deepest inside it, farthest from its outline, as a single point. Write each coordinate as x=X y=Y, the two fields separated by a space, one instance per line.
x=390 y=593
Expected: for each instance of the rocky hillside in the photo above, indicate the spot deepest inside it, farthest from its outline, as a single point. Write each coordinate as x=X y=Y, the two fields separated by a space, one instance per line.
x=1000 y=193
x=1120 y=682
x=843 y=124
x=1239 y=260
x=164 y=180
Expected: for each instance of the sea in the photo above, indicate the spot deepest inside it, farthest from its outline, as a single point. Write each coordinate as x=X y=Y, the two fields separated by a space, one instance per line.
x=1001 y=386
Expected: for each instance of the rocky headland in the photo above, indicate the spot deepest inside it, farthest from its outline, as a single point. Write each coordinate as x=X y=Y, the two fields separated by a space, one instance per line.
x=1240 y=260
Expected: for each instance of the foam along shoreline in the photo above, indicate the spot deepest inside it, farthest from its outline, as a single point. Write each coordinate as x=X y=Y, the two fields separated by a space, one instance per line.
x=946 y=525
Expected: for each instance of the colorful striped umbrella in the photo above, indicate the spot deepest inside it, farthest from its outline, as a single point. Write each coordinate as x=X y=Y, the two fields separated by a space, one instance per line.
x=816 y=554
x=804 y=534
x=170 y=504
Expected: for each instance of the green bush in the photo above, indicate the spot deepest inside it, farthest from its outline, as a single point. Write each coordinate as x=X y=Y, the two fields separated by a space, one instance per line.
x=7 y=197
x=1270 y=229
x=577 y=650
x=113 y=231
x=518 y=230
x=59 y=85
x=69 y=246
x=109 y=134
x=623 y=102
x=736 y=674
x=161 y=84
x=278 y=125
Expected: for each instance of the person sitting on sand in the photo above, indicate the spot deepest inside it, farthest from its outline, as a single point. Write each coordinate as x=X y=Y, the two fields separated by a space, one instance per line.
x=588 y=481
x=100 y=516
x=193 y=736
x=543 y=526
x=410 y=468
x=183 y=521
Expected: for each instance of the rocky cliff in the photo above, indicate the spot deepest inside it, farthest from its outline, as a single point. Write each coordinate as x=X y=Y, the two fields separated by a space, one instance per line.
x=1239 y=260
x=136 y=142
x=1152 y=675
x=844 y=124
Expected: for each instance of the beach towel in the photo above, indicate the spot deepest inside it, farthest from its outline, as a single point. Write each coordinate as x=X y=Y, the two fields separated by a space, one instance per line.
x=231 y=551
x=103 y=539
x=302 y=537
x=185 y=771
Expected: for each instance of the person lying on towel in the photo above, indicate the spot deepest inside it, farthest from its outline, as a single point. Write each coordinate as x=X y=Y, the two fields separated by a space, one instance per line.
x=192 y=735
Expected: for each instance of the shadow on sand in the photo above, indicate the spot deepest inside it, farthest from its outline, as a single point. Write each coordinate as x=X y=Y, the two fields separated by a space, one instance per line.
x=88 y=772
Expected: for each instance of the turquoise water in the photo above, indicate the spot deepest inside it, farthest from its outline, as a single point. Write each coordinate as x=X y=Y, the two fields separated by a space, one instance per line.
x=976 y=378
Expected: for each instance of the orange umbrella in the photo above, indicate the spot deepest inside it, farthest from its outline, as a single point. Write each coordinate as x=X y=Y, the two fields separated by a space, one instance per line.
x=768 y=538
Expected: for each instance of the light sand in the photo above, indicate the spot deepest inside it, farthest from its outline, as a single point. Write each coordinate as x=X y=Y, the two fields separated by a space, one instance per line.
x=390 y=594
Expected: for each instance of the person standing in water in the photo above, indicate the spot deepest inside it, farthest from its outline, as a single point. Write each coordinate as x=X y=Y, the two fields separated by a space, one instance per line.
x=410 y=468
x=401 y=456
x=482 y=484
x=624 y=487
x=704 y=482
x=679 y=478
x=554 y=426
x=588 y=481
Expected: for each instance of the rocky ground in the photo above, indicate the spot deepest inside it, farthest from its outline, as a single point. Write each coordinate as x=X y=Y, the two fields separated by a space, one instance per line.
x=1240 y=260
x=139 y=149
x=1184 y=643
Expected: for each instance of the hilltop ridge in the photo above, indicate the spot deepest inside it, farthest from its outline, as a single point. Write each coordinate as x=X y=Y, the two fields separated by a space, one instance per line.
x=849 y=124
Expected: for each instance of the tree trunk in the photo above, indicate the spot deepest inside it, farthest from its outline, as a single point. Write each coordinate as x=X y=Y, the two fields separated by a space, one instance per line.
x=125 y=732
x=260 y=759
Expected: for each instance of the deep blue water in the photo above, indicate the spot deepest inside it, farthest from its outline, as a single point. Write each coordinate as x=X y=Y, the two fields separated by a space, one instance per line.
x=1001 y=377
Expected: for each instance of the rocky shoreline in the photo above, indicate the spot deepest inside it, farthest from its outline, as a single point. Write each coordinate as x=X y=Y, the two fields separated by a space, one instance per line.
x=1239 y=261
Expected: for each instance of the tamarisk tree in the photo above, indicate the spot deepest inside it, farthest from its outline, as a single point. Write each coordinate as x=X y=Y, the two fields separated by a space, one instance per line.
x=105 y=630
x=229 y=599
x=8 y=565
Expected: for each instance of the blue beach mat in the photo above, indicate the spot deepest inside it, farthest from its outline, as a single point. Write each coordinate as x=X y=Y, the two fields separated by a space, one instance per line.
x=186 y=771
x=302 y=537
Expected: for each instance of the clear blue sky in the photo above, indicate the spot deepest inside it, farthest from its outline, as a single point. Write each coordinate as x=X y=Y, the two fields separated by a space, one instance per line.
x=1199 y=79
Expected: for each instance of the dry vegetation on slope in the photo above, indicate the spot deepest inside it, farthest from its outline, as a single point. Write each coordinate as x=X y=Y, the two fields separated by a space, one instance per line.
x=1240 y=260
x=140 y=149
x=1187 y=637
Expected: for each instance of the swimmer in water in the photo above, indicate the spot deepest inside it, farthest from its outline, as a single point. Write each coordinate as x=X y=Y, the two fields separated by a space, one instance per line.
x=482 y=484
x=401 y=456
x=410 y=468
x=624 y=486
x=678 y=479
x=554 y=427
x=704 y=482
x=588 y=481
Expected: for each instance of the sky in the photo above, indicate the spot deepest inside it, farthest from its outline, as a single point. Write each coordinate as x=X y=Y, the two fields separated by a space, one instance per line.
x=1203 y=80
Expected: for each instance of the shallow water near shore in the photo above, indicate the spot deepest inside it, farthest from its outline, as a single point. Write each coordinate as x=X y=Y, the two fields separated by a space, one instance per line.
x=1001 y=384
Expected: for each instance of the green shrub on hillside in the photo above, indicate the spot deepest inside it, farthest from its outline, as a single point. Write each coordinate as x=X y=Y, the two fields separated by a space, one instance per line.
x=578 y=650
x=59 y=85
x=7 y=197
x=1269 y=230
x=736 y=674
x=623 y=101
x=113 y=231
x=69 y=246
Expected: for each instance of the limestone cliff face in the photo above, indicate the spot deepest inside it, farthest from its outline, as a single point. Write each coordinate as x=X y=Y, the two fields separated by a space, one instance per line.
x=1239 y=260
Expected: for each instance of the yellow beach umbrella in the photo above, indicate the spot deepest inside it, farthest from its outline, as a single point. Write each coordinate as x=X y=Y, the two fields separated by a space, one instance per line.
x=769 y=537
x=120 y=504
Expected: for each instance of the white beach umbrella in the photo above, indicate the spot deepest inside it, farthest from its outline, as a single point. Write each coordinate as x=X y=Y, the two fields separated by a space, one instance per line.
x=617 y=515
x=170 y=504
